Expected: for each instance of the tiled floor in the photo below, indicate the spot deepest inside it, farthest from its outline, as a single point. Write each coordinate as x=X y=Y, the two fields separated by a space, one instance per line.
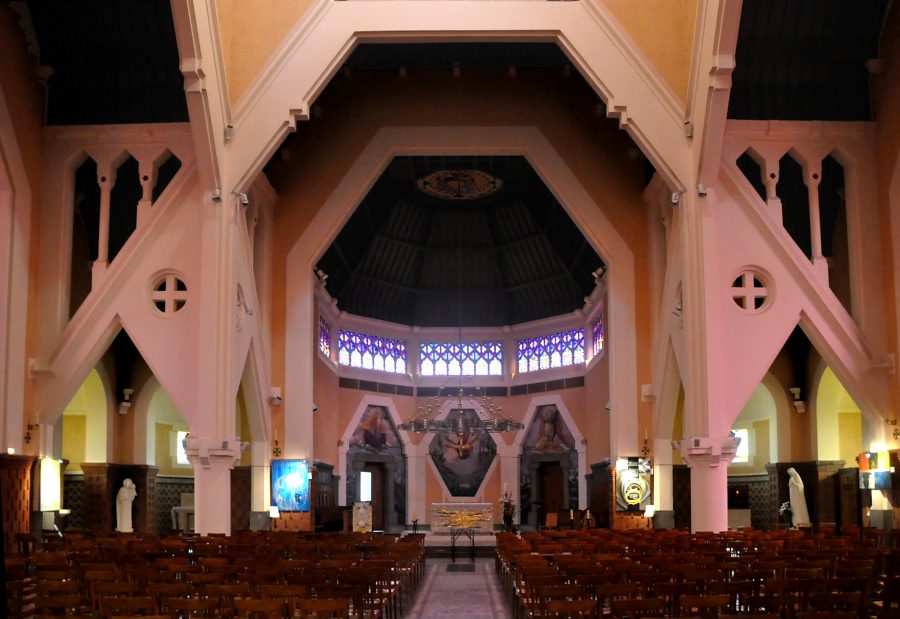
x=460 y=595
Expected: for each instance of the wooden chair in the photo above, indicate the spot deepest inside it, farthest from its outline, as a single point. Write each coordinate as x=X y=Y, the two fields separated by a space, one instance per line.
x=185 y=608
x=739 y=593
x=640 y=607
x=702 y=605
x=161 y=592
x=573 y=609
x=62 y=605
x=671 y=592
x=843 y=601
x=249 y=608
x=813 y=614
x=324 y=607
x=288 y=595
x=113 y=606
x=551 y=521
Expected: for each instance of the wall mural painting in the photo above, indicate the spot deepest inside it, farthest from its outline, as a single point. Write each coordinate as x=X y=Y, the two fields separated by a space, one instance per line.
x=547 y=434
x=462 y=458
x=375 y=439
x=375 y=431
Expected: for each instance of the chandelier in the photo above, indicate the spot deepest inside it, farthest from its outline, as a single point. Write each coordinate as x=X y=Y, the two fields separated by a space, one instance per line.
x=488 y=417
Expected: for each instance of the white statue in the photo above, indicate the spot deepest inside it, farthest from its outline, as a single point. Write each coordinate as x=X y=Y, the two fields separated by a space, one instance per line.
x=124 y=499
x=799 y=513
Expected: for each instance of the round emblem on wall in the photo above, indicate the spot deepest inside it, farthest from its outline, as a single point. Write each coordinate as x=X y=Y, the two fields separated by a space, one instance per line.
x=459 y=184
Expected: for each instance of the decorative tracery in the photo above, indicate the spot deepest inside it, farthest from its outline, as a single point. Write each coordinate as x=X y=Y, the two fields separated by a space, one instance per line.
x=324 y=337
x=551 y=351
x=598 y=334
x=461 y=359
x=360 y=350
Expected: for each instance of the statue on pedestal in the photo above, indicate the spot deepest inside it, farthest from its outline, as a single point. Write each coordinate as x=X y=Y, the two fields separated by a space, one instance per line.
x=799 y=512
x=124 y=499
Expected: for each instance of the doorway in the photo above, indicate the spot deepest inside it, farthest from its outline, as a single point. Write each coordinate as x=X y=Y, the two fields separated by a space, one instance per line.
x=374 y=492
x=552 y=486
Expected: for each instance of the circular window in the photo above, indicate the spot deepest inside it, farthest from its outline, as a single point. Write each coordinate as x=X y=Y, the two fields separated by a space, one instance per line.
x=750 y=291
x=169 y=294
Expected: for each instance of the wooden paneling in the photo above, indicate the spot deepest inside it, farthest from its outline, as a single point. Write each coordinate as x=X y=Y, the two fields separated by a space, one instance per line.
x=15 y=497
x=240 y=498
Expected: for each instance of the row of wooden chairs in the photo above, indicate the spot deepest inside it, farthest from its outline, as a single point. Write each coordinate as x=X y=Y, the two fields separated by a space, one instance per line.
x=210 y=576
x=654 y=576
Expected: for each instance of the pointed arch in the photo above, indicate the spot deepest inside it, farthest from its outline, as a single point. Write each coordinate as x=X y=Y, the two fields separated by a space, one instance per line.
x=365 y=402
x=554 y=399
x=352 y=188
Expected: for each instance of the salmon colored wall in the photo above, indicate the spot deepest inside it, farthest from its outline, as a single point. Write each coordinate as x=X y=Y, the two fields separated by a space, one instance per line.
x=664 y=30
x=25 y=100
x=886 y=111
x=596 y=395
x=327 y=420
x=250 y=31
x=561 y=107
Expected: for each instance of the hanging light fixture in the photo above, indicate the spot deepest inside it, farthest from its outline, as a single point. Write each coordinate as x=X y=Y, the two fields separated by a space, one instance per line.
x=488 y=416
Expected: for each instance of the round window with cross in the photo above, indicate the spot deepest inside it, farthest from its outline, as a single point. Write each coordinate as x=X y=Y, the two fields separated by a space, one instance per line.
x=168 y=294
x=750 y=291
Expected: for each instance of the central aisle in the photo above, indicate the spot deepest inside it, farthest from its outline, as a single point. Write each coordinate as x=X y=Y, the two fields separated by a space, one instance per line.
x=474 y=594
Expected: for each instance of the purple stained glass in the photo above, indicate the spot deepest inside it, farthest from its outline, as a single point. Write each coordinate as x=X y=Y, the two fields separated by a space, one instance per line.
x=464 y=359
x=324 y=337
x=598 y=337
x=555 y=350
x=371 y=352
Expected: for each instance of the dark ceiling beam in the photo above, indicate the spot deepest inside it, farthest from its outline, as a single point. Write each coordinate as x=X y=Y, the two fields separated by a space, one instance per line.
x=542 y=282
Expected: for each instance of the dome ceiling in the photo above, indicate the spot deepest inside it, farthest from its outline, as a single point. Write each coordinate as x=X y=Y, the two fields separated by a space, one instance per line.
x=460 y=241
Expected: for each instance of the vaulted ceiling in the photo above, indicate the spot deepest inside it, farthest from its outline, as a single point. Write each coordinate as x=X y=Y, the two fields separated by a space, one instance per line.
x=505 y=258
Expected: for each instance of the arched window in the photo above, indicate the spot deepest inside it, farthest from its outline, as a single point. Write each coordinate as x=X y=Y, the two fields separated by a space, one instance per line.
x=555 y=350
x=461 y=359
x=360 y=350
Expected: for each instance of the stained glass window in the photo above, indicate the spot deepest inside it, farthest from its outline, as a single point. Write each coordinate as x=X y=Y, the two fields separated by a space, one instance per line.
x=551 y=351
x=461 y=359
x=598 y=337
x=324 y=337
x=360 y=350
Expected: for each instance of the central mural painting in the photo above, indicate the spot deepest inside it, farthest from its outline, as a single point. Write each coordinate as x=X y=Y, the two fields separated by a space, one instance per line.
x=462 y=458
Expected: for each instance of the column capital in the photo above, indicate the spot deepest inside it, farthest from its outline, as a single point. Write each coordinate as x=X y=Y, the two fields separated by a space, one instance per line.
x=709 y=450
x=210 y=452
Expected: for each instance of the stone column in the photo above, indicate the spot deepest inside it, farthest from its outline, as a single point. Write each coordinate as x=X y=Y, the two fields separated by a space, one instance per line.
x=390 y=512
x=212 y=460
x=415 y=483
x=664 y=517
x=708 y=458
x=564 y=463
x=535 y=493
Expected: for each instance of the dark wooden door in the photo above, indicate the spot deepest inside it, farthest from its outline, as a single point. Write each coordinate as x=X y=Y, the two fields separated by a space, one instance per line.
x=377 y=471
x=552 y=487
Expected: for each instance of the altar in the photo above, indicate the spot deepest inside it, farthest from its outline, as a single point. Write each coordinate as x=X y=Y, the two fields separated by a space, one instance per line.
x=450 y=517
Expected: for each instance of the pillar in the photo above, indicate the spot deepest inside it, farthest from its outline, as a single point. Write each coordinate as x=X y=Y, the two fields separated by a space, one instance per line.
x=664 y=516
x=390 y=510
x=260 y=488
x=535 y=494
x=212 y=460
x=415 y=483
x=708 y=458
